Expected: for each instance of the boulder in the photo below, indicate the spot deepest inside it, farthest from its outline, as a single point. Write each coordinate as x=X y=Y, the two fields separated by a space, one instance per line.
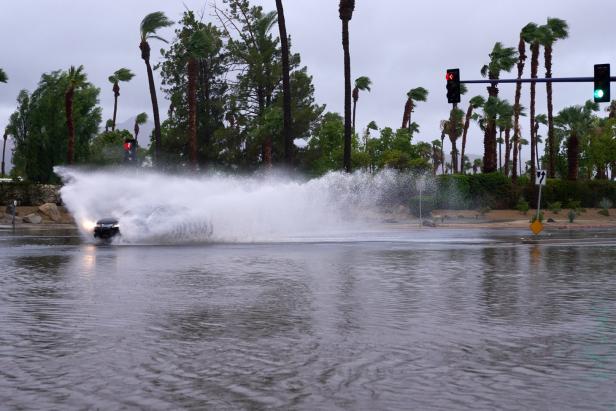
x=428 y=223
x=33 y=219
x=51 y=211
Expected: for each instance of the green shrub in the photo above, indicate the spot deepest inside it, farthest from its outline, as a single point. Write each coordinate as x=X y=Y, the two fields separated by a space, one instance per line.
x=574 y=204
x=534 y=217
x=572 y=215
x=605 y=203
x=605 y=212
x=522 y=206
x=555 y=207
x=427 y=205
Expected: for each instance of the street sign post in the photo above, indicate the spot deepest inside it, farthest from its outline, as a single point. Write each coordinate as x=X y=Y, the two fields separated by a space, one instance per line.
x=540 y=180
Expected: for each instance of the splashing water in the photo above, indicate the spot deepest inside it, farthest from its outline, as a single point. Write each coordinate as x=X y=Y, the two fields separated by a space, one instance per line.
x=157 y=208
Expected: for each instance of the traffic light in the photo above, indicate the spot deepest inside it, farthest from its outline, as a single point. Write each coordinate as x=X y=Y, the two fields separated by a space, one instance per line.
x=602 y=83
x=453 y=86
x=130 y=150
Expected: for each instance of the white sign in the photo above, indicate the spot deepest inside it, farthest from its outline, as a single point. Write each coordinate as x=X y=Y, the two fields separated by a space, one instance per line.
x=541 y=178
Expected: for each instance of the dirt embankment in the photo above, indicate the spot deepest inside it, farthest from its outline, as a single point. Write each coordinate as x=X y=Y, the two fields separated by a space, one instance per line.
x=45 y=214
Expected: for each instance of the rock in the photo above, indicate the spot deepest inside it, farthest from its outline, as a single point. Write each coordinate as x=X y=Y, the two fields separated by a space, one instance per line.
x=51 y=211
x=428 y=223
x=551 y=220
x=33 y=219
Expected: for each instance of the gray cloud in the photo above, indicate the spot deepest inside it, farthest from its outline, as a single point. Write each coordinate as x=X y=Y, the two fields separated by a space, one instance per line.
x=399 y=44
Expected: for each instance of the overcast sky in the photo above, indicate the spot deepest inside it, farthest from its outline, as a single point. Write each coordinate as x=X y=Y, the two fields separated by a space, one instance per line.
x=399 y=44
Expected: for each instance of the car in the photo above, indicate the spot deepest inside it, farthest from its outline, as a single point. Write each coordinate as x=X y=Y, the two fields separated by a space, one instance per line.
x=106 y=228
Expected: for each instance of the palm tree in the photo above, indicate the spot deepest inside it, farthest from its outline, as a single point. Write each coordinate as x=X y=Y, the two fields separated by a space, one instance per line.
x=576 y=122
x=557 y=29
x=199 y=45
x=3 y=77
x=476 y=165
x=473 y=104
x=345 y=9
x=444 y=125
x=454 y=127
x=5 y=137
x=122 y=74
x=108 y=125
x=140 y=120
x=371 y=126
x=437 y=149
x=501 y=59
x=539 y=119
x=76 y=79
x=361 y=83
x=149 y=26
x=286 y=85
x=527 y=35
x=413 y=96
x=504 y=123
x=522 y=142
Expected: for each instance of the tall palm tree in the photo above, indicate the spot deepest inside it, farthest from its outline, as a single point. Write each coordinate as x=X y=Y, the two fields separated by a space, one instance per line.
x=76 y=79
x=575 y=122
x=455 y=127
x=526 y=36
x=534 y=34
x=477 y=164
x=473 y=104
x=437 y=148
x=557 y=29
x=122 y=74
x=522 y=142
x=444 y=125
x=140 y=120
x=149 y=26
x=539 y=119
x=199 y=46
x=5 y=137
x=501 y=59
x=504 y=123
x=371 y=126
x=3 y=77
x=286 y=85
x=361 y=83
x=412 y=97
x=346 y=9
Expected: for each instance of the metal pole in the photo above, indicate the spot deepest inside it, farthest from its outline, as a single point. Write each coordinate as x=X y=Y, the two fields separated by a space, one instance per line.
x=539 y=202
x=536 y=80
x=13 y=212
x=420 y=205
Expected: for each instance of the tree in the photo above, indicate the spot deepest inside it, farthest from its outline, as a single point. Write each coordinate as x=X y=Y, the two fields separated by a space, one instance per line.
x=3 y=77
x=363 y=84
x=454 y=128
x=437 y=149
x=346 y=9
x=140 y=120
x=371 y=126
x=522 y=142
x=527 y=35
x=576 y=122
x=504 y=123
x=477 y=164
x=501 y=59
x=539 y=119
x=39 y=126
x=555 y=29
x=122 y=74
x=412 y=97
x=76 y=80
x=286 y=84
x=474 y=103
x=149 y=26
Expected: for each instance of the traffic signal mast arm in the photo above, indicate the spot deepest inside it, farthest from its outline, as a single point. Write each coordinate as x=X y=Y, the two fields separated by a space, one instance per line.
x=537 y=80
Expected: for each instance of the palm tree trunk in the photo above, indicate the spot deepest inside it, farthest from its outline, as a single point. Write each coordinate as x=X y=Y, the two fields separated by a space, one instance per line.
x=68 y=103
x=192 y=111
x=516 y=107
x=406 y=116
x=573 y=157
x=286 y=85
x=467 y=123
x=355 y=96
x=507 y=150
x=520 y=157
x=548 y=89
x=3 y=151
x=116 y=94
x=443 y=152
x=145 y=55
x=534 y=68
x=136 y=130
x=500 y=150
x=347 y=96
x=489 y=138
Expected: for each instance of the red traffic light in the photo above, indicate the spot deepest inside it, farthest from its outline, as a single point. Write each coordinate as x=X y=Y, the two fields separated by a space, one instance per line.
x=450 y=76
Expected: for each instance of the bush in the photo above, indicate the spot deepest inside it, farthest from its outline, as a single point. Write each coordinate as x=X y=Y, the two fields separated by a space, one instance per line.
x=555 y=207
x=605 y=203
x=534 y=217
x=572 y=215
x=605 y=212
x=522 y=206
x=574 y=204
x=427 y=205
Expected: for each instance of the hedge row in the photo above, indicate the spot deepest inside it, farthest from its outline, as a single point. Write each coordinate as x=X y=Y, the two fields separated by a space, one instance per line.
x=494 y=190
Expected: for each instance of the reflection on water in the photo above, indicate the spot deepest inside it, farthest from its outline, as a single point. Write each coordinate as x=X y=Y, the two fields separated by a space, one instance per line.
x=486 y=322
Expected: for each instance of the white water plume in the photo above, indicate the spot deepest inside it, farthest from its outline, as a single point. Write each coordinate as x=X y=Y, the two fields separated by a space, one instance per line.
x=158 y=208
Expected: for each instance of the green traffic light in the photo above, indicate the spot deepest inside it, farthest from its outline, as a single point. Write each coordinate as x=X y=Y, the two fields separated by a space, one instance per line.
x=599 y=93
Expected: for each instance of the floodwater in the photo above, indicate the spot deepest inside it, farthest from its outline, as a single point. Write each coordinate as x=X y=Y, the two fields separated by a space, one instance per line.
x=391 y=319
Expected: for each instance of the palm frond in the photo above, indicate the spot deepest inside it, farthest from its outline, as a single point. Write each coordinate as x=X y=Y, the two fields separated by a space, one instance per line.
x=123 y=74
x=558 y=27
x=152 y=23
x=418 y=94
x=3 y=77
x=529 y=32
x=141 y=118
x=363 y=83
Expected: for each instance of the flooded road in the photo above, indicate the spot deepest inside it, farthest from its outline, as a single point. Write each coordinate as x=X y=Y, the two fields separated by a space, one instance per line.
x=392 y=319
